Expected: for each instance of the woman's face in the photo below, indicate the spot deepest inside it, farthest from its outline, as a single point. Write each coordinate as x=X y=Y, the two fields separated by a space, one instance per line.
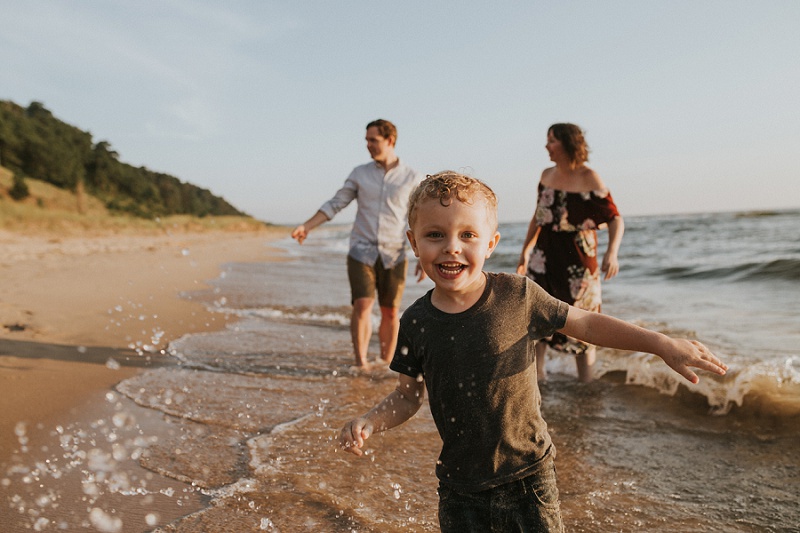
x=554 y=148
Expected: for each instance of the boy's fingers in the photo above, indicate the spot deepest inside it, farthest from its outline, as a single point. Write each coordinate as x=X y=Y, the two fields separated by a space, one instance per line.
x=713 y=366
x=355 y=435
x=691 y=376
x=709 y=361
x=347 y=438
x=354 y=450
x=352 y=437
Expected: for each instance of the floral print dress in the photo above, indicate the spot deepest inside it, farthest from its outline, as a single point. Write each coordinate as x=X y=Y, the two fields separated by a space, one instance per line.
x=564 y=259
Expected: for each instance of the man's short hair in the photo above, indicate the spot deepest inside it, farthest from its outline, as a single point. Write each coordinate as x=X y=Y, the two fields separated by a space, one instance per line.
x=385 y=128
x=448 y=185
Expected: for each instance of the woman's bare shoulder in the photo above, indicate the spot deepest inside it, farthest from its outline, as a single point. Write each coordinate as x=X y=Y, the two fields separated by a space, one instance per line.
x=591 y=180
x=548 y=175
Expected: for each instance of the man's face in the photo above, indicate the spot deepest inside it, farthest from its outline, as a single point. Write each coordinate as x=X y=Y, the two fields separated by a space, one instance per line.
x=380 y=147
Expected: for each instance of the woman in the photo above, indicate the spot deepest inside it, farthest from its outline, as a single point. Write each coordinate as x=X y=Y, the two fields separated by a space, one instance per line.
x=572 y=203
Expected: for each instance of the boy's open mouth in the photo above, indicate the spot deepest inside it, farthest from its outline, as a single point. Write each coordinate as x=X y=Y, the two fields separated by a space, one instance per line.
x=451 y=269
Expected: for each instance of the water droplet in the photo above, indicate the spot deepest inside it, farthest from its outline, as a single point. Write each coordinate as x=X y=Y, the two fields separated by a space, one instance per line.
x=104 y=522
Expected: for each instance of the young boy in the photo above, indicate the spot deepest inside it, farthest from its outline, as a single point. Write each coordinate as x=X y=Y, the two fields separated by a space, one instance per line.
x=470 y=342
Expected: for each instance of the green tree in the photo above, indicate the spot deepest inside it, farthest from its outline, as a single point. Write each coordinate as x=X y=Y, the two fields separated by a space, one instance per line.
x=34 y=143
x=19 y=189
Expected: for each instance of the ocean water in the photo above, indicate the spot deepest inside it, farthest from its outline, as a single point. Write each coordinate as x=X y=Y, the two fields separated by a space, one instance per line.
x=254 y=410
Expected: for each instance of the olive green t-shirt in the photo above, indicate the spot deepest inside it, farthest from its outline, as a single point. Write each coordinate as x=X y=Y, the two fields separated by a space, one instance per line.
x=480 y=373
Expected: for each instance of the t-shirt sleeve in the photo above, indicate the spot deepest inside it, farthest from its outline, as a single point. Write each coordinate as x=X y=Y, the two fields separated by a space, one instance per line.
x=548 y=314
x=406 y=360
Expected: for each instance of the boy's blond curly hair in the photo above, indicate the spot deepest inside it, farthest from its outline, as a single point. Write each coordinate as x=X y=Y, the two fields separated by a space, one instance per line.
x=448 y=185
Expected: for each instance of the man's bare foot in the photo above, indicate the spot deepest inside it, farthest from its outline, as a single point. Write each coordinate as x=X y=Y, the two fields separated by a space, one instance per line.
x=360 y=369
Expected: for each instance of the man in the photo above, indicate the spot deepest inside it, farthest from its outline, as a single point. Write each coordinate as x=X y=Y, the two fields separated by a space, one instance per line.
x=377 y=256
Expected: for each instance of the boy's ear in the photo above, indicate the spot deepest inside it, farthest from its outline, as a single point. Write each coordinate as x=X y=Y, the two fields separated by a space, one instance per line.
x=493 y=244
x=413 y=242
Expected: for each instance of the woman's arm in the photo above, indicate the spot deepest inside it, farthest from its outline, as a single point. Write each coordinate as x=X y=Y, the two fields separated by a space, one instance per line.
x=527 y=245
x=605 y=330
x=610 y=266
x=400 y=405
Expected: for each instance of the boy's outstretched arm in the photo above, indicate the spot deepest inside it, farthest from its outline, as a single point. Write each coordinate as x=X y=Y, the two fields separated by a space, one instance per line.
x=400 y=405
x=605 y=330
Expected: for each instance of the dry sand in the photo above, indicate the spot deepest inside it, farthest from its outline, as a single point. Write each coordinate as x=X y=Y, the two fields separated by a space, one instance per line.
x=80 y=314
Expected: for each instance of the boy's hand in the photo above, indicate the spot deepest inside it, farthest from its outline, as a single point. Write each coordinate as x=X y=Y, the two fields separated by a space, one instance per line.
x=684 y=353
x=353 y=435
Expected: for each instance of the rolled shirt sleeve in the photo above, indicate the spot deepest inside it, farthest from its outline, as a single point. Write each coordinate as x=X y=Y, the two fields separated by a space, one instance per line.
x=379 y=229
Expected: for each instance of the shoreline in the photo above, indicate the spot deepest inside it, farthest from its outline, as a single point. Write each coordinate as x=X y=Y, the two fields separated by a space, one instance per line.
x=80 y=314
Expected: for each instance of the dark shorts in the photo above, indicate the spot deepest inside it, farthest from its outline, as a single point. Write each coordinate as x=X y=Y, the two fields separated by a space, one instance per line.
x=526 y=505
x=365 y=279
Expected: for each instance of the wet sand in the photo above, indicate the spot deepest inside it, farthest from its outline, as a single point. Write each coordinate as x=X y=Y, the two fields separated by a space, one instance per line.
x=80 y=314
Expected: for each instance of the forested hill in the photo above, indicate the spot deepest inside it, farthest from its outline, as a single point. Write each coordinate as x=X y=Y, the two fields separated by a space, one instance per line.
x=35 y=144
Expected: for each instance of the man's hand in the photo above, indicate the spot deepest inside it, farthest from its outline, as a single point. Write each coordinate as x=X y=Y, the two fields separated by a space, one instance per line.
x=300 y=233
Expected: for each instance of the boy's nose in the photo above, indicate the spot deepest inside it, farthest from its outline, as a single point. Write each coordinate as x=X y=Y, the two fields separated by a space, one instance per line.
x=452 y=246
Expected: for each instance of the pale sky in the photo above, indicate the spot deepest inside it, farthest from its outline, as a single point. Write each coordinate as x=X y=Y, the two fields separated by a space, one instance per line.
x=687 y=105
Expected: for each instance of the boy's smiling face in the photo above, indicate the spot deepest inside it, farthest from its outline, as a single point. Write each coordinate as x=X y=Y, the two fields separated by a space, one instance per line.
x=452 y=243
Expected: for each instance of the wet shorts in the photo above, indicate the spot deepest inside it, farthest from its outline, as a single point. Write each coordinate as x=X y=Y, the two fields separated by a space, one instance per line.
x=364 y=279
x=528 y=504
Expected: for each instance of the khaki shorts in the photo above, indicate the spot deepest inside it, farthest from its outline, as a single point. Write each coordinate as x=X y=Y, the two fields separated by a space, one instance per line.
x=364 y=279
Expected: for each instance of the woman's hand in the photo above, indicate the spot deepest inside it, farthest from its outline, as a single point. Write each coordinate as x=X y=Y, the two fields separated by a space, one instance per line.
x=522 y=266
x=610 y=265
x=616 y=228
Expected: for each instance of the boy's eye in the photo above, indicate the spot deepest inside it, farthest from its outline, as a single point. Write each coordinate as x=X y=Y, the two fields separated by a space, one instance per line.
x=434 y=235
x=468 y=235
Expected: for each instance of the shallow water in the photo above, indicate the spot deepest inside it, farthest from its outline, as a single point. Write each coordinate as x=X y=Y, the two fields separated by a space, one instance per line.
x=254 y=410
x=84 y=473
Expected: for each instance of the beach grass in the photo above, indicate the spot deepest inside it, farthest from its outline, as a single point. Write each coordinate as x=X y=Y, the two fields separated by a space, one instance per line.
x=51 y=210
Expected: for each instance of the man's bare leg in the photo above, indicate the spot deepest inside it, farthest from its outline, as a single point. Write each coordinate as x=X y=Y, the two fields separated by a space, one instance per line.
x=387 y=332
x=361 y=329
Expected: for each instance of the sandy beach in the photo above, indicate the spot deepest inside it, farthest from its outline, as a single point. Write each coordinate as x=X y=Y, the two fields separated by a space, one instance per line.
x=79 y=314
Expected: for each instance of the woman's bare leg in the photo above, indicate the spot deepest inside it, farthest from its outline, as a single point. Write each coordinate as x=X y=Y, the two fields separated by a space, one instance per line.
x=585 y=363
